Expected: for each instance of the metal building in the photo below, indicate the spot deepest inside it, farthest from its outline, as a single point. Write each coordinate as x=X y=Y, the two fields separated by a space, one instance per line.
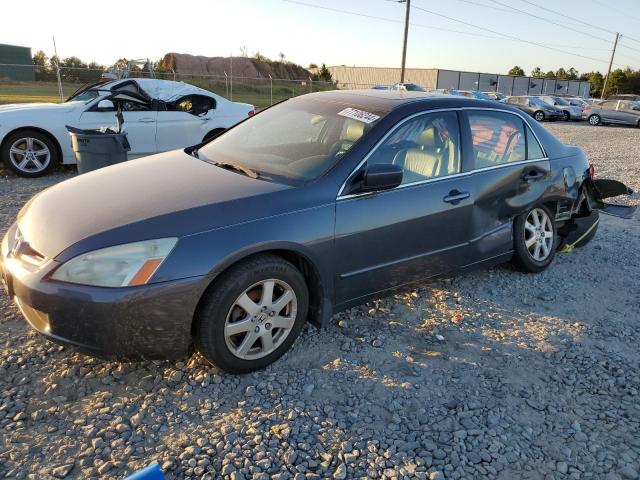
x=15 y=63
x=430 y=78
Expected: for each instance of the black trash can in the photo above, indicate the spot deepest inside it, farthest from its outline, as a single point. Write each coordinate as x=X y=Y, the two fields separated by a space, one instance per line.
x=95 y=149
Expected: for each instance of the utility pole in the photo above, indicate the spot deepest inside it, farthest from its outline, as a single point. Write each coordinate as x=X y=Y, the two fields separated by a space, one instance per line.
x=604 y=87
x=406 y=34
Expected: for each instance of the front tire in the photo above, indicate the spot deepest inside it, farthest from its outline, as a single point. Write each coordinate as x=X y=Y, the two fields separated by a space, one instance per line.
x=252 y=314
x=595 y=120
x=29 y=153
x=535 y=239
x=539 y=115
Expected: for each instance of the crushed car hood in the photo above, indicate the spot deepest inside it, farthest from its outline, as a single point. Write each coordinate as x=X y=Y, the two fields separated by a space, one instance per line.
x=197 y=194
x=53 y=107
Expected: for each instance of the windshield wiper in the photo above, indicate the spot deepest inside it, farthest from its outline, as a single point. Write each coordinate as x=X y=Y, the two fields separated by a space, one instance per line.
x=232 y=166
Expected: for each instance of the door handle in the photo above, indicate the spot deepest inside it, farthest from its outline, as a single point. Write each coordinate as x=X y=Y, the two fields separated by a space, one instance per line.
x=456 y=197
x=204 y=119
x=146 y=120
x=532 y=176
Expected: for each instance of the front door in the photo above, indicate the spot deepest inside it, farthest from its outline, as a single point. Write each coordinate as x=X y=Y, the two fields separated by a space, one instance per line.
x=185 y=122
x=416 y=230
x=139 y=123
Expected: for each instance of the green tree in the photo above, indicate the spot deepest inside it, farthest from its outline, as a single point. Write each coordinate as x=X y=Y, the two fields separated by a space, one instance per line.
x=43 y=71
x=323 y=75
x=550 y=74
x=561 y=74
x=537 y=72
x=516 y=70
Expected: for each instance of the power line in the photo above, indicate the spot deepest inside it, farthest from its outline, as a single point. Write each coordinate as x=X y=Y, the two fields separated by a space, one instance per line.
x=578 y=20
x=508 y=36
x=523 y=12
x=608 y=5
x=548 y=20
x=421 y=25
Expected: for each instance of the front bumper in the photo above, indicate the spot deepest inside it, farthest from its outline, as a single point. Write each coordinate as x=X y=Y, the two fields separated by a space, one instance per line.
x=147 y=322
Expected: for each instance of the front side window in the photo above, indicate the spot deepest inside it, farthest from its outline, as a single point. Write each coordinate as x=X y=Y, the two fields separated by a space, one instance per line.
x=425 y=147
x=297 y=140
x=498 y=138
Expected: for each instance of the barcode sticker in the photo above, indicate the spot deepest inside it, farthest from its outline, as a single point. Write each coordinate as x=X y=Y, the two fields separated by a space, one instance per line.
x=359 y=115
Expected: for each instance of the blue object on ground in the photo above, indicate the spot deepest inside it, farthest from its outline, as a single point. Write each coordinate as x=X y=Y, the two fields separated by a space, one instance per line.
x=152 y=472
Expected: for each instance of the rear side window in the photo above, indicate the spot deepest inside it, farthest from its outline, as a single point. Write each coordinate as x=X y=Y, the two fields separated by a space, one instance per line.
x=534 y=149
x=498 y=138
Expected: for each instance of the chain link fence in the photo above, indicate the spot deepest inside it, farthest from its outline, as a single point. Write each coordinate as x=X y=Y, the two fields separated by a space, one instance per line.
x=30 y=83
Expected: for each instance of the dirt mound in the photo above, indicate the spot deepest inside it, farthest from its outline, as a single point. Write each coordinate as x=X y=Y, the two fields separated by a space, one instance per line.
x=242 y=67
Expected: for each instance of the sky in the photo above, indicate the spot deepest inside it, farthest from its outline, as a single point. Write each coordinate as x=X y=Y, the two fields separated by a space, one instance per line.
x=305 y=34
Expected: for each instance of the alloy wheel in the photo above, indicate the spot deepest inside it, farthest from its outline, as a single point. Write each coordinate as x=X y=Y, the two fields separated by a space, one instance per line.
x=538 y=234
x=260 y=319
x=594 y=120
x=29 y=155
x=539 y=116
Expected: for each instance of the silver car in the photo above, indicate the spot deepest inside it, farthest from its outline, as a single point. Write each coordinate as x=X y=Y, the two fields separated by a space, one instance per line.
x=622 y=112
x=570 y=111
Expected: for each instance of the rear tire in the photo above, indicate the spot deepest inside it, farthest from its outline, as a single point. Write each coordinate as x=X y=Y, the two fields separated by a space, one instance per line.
x=595 y=120
x=535 y=239
x=566 y=115
x=29 y=153
x=238 y=327
x=539 y=115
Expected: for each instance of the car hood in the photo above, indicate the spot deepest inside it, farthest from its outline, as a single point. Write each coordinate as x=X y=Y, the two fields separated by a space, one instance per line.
x=41 y=107
x=170 y=194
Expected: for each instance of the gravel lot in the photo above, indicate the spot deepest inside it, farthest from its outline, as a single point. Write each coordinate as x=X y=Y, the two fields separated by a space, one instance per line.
x=493 y=374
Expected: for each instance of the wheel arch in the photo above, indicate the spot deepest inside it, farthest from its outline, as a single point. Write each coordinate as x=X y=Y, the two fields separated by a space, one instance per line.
x=320 y=304
x=44 y=132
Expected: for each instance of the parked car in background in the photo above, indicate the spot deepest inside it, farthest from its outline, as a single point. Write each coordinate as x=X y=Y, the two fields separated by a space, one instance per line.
x=570 y=112
x=624 y=96
x=476 y=94
x=578 y=101
x=448 y=91
x=536 y=107
x=159 y=115
x=231 y=246
x=621 y=112
x=407 y=87
x=496 y=95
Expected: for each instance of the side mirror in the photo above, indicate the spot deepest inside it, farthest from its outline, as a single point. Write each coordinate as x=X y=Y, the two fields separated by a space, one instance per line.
x=381 y=176
x=106 y=105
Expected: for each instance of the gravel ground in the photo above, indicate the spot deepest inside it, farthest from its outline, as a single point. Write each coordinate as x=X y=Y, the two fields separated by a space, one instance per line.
x=493 y=374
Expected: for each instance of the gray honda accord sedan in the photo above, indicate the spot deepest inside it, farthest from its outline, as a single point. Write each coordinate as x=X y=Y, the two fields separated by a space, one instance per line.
x=310 y=207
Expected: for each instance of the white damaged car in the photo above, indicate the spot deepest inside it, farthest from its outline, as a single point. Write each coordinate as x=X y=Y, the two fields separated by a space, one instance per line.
x=159 y=115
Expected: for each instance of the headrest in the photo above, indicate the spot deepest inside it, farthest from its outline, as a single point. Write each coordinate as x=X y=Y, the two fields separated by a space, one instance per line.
x=427 y=138
x=352 y=131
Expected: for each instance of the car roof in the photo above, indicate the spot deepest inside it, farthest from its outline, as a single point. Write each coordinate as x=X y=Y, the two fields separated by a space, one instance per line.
x=387 y=100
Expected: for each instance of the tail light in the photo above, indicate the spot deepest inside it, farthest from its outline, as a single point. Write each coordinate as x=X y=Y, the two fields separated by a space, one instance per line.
x=251 y=113
x=592 y=171
x=587 y=108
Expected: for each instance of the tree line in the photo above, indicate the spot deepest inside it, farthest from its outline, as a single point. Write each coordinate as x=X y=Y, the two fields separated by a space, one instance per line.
x=74 y=70
x=621 y=80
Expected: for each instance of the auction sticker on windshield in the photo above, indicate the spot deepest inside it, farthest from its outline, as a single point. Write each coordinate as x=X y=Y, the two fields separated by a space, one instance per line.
x=359 y=115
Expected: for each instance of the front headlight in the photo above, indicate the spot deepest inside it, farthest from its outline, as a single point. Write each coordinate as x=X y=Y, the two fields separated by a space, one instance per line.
x=120 y=266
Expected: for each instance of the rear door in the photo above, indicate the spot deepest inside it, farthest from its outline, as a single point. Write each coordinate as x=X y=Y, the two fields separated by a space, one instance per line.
x=139 y=123
x=185 y=122
x=508 y=169
x=416 y=230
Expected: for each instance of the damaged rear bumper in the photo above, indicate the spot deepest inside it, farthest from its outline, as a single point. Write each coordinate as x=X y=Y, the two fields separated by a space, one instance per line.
x=598 y=190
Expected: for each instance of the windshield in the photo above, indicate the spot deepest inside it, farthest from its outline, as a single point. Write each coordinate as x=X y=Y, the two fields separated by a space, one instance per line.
x=86 y=96
x=561 y=101
x=297 y=140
